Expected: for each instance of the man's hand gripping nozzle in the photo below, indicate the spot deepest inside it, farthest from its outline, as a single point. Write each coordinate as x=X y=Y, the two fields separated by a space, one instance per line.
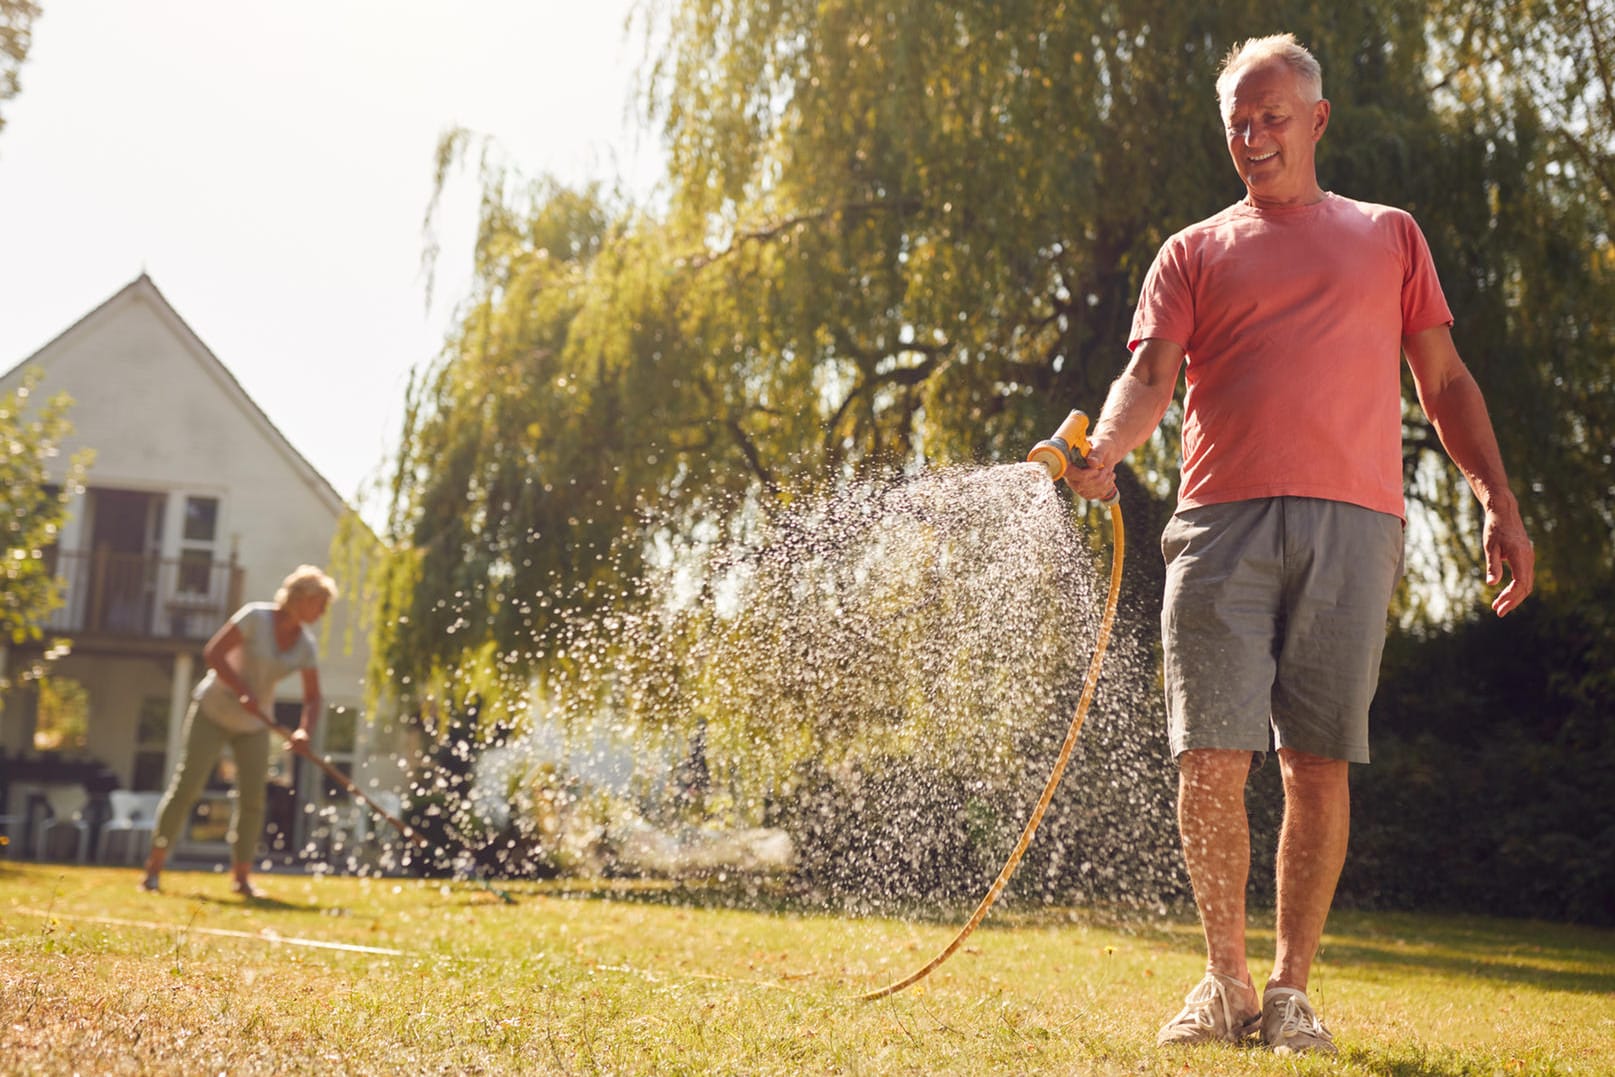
x=1068 y=448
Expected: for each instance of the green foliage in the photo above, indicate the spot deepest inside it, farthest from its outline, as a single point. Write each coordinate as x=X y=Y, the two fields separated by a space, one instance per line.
x=988 y=184
x=957 y=200
x=31 y=507
x=16 y=36
x=581 y=390
x=1493 y=771
x=1517 y=196
x=63 y=718
x=1554 y=59
x=1495 y=759
x=500 y=458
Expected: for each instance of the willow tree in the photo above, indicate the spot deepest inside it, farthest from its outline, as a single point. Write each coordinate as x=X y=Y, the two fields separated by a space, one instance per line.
x=1526 y=205
x=1555 y=58
x=961 y=201
x=591 y=387
x=510 y=446
x=894 y=234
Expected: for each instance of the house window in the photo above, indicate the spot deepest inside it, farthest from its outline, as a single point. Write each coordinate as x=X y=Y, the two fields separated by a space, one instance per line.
x=151 y=744
x=197 y=540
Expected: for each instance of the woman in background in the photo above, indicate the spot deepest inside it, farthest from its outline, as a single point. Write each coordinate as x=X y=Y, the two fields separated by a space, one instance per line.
x=261 y=644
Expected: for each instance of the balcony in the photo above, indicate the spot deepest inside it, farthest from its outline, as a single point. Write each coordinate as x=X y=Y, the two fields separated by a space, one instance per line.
x=133 y=596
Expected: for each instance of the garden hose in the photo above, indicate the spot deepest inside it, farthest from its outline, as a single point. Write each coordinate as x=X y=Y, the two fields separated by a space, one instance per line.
x=1069 y=447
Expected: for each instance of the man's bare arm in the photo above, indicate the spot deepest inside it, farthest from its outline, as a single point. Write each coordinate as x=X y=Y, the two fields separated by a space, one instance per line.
x=1137 y=400
x=1454 y=404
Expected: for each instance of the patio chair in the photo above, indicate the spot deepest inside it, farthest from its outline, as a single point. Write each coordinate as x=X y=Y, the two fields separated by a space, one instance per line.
x=134 y=819
x=64 y=810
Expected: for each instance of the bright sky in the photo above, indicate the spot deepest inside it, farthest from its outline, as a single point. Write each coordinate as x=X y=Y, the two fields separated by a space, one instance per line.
x=269 y=165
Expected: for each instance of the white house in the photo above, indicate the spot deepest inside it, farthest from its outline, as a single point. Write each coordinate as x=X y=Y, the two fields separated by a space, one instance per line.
x=195 y=503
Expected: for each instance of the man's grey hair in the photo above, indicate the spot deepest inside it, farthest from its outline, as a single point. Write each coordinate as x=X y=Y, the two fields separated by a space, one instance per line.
x=1258 y=50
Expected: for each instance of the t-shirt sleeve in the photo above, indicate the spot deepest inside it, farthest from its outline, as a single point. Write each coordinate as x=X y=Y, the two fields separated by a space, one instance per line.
x=245 y=622
x=1166 y=302
x=1424 y=305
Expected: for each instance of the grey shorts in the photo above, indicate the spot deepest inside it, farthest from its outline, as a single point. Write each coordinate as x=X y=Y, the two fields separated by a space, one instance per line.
x=1274 y=620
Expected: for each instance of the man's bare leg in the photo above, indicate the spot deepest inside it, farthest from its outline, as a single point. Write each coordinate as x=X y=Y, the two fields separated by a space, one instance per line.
x=1312 y=851
x=1216 y=848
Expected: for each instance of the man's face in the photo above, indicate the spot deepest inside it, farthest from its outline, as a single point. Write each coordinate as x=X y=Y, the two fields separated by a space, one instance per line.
x=1272 y=132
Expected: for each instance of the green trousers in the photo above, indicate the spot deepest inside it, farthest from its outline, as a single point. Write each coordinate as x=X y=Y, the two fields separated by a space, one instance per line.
x=204 y=740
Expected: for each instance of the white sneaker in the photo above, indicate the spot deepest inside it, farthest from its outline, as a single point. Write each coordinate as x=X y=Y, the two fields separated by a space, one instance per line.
x=1208 y=1015
x=1290 y=1026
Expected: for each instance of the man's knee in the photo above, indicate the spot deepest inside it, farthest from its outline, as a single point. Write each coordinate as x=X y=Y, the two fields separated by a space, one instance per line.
x=1306 y=774
x=1214 y=768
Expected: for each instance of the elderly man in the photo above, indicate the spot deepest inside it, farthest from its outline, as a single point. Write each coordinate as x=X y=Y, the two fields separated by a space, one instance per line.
x=1293 y=308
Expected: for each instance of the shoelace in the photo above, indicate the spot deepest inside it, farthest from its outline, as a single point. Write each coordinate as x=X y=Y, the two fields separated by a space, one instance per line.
x=1200 y=1000
x=1198 y=1004
x=1298 y=1017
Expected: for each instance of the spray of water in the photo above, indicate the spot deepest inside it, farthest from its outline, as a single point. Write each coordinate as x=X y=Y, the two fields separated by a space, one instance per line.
x=864 y=691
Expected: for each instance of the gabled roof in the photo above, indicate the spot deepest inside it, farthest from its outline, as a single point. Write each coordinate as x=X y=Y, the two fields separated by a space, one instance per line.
x=142 y=287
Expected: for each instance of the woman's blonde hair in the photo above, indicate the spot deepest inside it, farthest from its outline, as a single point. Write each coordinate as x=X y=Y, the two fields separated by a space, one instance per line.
x=306 y=579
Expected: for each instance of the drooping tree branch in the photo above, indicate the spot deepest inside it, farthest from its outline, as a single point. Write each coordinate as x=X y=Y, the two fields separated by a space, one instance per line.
x=778 y=228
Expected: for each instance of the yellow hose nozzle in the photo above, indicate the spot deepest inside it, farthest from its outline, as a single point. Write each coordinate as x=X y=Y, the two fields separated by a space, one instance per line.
x=1051 y=456
x=1068 y=448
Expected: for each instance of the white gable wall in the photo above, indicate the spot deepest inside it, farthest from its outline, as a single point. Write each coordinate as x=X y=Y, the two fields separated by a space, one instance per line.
x=164 y=416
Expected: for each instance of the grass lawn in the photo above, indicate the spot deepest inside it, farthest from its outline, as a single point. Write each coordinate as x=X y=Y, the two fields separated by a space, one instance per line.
x=344 y=975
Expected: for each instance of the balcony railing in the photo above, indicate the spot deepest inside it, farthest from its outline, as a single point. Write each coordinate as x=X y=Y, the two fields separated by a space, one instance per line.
x=136 y=596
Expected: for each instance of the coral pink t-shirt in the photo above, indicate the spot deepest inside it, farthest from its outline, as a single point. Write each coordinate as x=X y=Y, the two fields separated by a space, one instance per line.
x=1292 y=322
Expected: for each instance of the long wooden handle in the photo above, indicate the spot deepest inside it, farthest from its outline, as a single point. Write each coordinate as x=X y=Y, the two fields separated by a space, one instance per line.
x=409 y=832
